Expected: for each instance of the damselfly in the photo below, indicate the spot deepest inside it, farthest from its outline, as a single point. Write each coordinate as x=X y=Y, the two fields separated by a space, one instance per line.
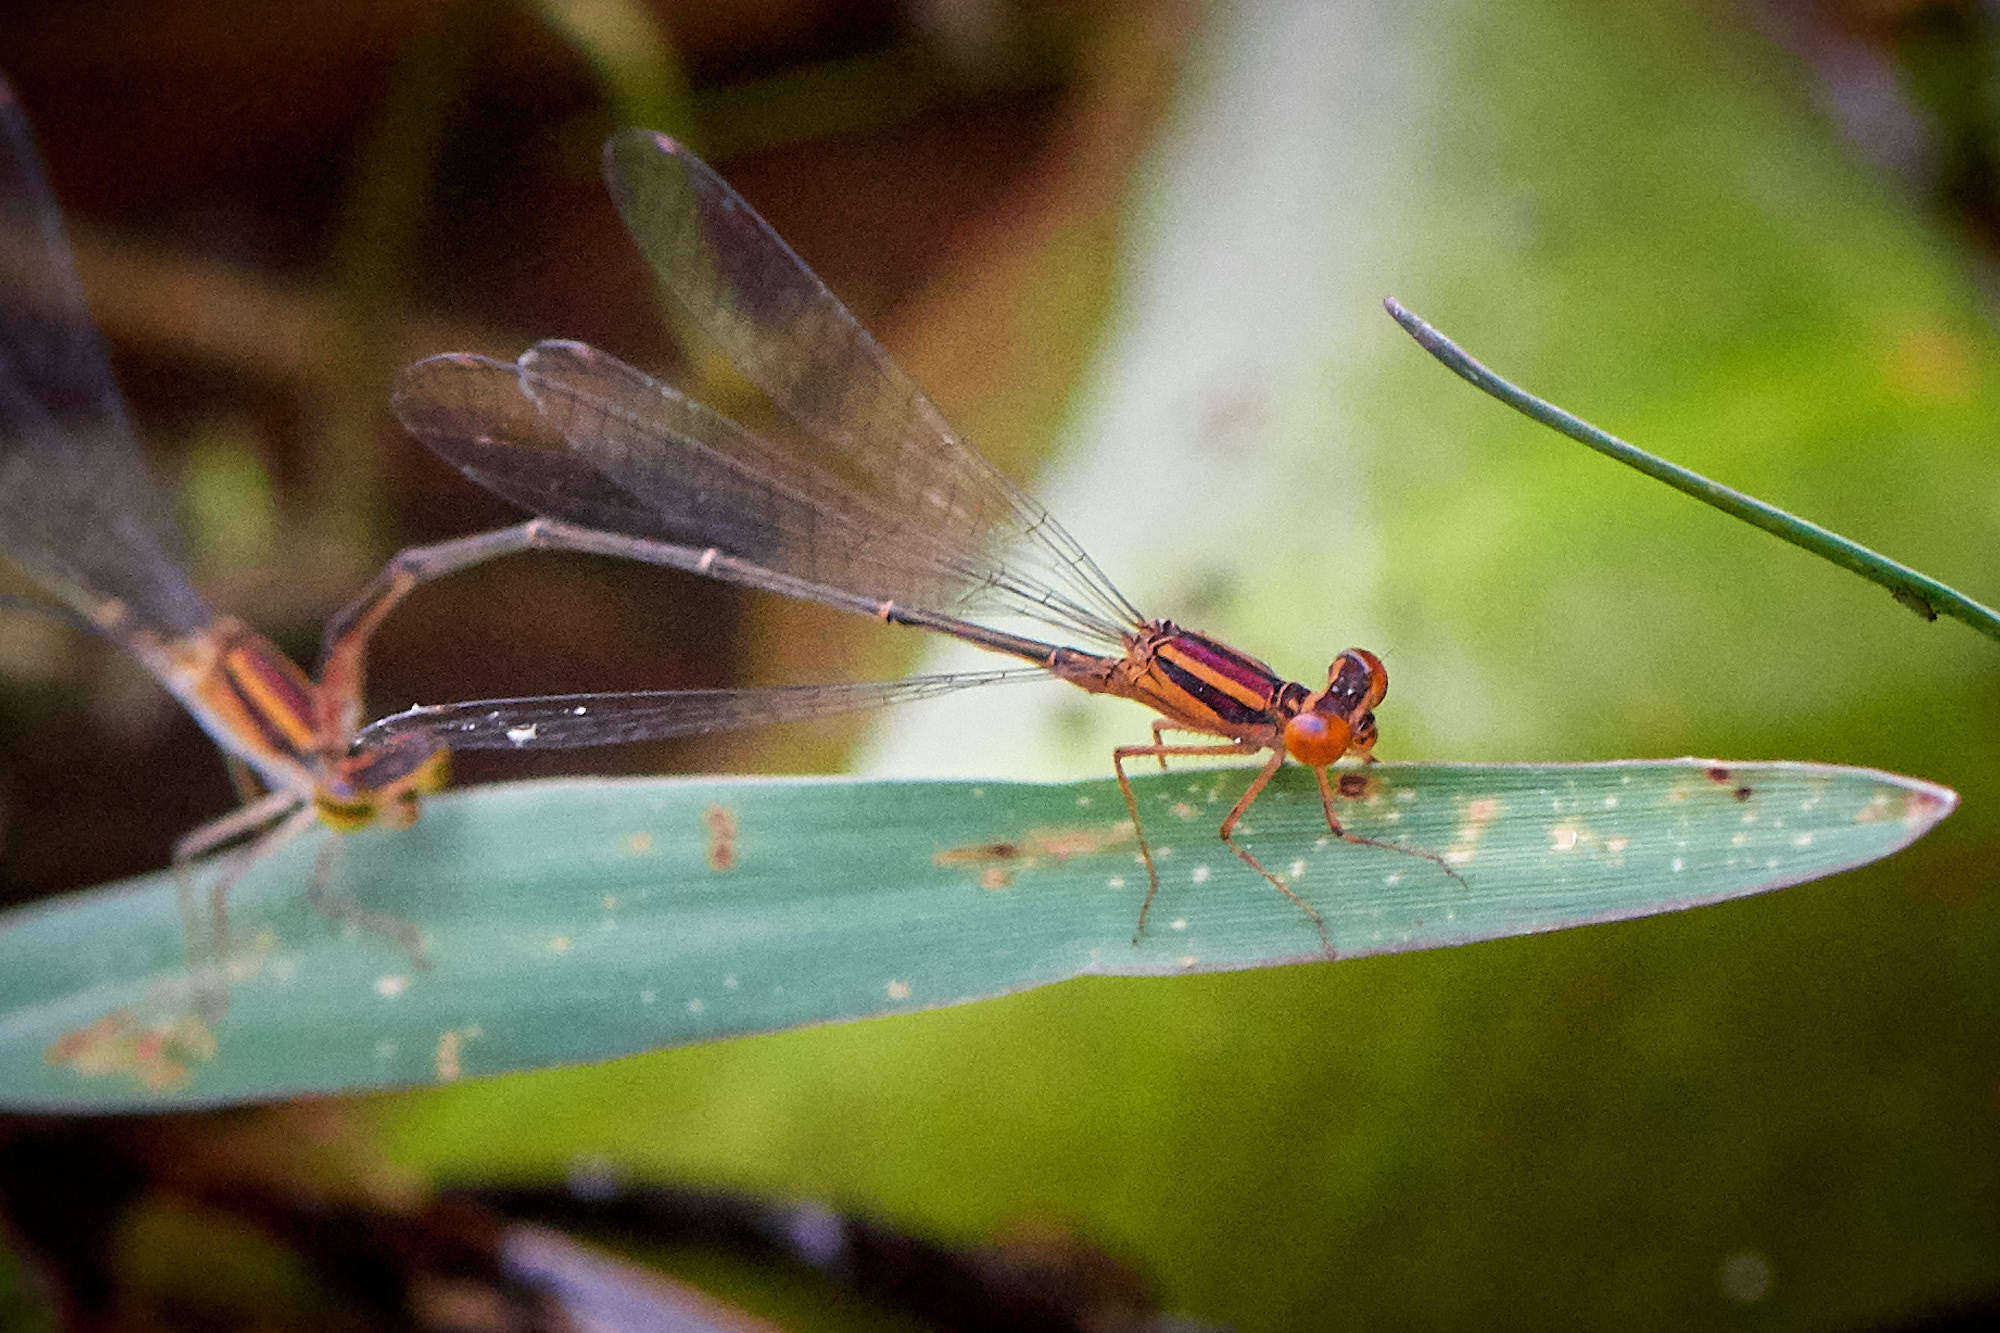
x=78 y=513
x=892 y=516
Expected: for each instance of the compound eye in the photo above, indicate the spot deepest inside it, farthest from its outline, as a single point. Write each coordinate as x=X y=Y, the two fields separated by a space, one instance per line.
x=1358 y=679
x=1316 y=740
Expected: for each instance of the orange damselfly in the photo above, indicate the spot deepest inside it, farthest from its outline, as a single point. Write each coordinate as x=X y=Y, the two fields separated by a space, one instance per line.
x=891 y=516
x=79 y=514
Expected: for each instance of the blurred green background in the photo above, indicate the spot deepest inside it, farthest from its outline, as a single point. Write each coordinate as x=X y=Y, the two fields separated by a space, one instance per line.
x=1136 y=252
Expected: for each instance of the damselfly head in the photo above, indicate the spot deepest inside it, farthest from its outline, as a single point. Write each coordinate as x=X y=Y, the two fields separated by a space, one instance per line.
x=383 y=783
x=1357 y=674
x=1340 y=719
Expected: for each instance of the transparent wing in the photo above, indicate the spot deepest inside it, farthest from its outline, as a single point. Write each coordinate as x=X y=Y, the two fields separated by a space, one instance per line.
x=575 y=434
x=711 y=481
x=563 y=721
x=472 y=413
x=77 y=509
x=784 y=330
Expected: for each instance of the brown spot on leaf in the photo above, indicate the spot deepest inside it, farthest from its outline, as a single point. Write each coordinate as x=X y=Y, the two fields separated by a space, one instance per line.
x=1722 y=777
x=978 y=853
x=1037 y=847
x=721 y=825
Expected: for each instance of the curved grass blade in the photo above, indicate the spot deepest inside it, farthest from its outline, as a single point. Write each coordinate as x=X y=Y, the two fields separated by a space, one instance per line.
x=580 y=920
x=1919 y=592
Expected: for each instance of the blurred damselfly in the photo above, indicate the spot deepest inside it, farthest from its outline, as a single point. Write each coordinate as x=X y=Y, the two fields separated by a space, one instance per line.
x=79 y=514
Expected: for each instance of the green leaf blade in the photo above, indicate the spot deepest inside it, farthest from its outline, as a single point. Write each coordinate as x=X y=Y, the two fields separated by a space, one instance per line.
x=582 y=920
